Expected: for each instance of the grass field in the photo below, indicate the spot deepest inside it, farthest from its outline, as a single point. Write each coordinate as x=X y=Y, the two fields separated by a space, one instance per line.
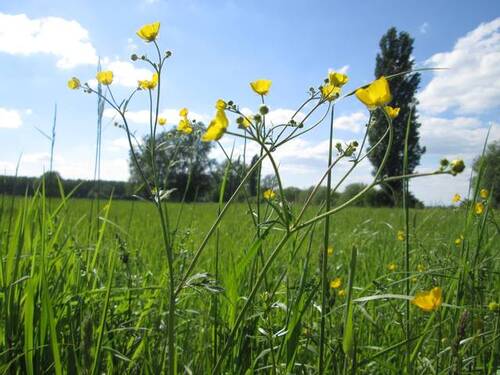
x=273 y=285
x=83 y=292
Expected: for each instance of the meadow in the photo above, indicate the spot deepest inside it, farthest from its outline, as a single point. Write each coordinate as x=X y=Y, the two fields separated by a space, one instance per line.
x=85 y=289
x=256 y=283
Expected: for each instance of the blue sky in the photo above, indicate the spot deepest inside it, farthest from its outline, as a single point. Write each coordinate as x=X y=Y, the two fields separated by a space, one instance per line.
x=220 y=46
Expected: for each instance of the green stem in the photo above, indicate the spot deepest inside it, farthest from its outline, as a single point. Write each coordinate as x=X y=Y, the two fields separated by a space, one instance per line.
x=407 y=247
x=200 y=249
x=248 y=302
x=324 y=260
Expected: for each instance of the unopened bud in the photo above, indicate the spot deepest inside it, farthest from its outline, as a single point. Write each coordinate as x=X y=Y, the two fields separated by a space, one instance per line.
x=264 y=110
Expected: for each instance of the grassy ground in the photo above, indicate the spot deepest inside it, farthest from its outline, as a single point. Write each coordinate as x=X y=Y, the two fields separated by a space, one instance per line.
x=81 y=294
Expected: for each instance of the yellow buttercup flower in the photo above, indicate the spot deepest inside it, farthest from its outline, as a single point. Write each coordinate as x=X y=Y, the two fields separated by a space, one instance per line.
x=377 y=94
x=149 y=84
x=220 y=104
x=269 y=194
x=479 y=208
x=329 y=251
x=218 y=125
x=214 y=132
x=162 y=121
x=74 y=83
x=341 y=293
x=401 y=235
x=459 y=240
x=392 y=267
x=456 y=198
x=429 y=301
x=392 y=112
x=457 y=166
x=336 y=283
x=261 y=86
x=184 y=124
x=149 y=32
x=337 y=79
x=420 y=268
x=483 y=193
x=493 y=306
x=330 y=92
x=105 y=77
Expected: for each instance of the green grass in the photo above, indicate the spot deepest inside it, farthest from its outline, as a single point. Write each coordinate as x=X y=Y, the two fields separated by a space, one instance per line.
x=85 y=296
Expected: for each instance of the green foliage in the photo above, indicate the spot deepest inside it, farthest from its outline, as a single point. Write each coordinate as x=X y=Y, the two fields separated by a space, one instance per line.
x=67 y=311
x=179 y=159
x=491 y=177
x=396 y=57
x=252 y=181
x=235 y=173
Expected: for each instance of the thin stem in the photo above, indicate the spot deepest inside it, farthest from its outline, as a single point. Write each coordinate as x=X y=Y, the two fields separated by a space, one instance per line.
x=324 y=260
x=407 y=247
x=200 y=249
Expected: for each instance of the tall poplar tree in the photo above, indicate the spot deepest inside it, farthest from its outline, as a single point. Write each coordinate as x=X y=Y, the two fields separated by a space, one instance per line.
x=395 y=56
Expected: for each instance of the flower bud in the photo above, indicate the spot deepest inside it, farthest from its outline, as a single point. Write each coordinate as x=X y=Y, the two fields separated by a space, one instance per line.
x=457 y=166
x=264 y=110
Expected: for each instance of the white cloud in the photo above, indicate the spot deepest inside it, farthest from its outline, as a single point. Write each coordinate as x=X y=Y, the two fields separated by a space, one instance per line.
x=126 y=73
x=424 y=28
x=458 y=136
x=10 y=118
x=471 y=82
x=118 y=144
x=67 y=40
x=283 y=116
x=36 y=157
x=352 y=122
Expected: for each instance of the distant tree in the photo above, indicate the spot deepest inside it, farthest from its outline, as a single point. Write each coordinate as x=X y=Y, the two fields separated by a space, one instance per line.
x=235 y=172
x=252 y=180
x=179 y=159
x=293 y=194
x=51 y=182
x=396 y=57
x=491 y=176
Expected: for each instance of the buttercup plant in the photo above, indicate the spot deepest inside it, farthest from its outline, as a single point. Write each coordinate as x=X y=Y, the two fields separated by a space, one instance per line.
x=271 y=210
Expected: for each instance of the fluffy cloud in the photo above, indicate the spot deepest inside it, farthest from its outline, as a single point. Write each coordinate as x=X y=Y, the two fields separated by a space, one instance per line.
x=283 y=116
x=67 y=40
x=352 y=122
x=457 y=136
x=126 y=73
x=471 y=82
x=10 y=118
